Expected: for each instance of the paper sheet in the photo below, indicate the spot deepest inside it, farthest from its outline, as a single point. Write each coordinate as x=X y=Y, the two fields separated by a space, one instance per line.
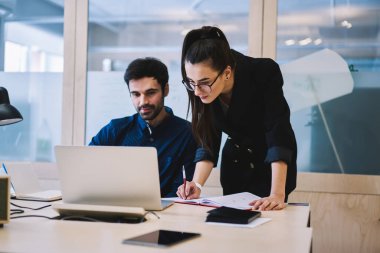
x=254 y=223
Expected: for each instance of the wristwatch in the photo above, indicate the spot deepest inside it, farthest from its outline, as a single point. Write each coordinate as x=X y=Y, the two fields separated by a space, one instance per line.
x=198 y=185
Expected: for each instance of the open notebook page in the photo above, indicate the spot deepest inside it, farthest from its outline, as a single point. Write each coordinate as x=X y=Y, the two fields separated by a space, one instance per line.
x=238 y=200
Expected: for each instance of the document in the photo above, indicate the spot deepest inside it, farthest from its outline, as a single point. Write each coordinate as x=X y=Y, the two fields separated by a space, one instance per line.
x=48 y=195
x=238 y=200
x=26 y=183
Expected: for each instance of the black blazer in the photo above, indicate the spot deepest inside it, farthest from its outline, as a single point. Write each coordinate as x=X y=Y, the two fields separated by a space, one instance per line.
x=258 y=125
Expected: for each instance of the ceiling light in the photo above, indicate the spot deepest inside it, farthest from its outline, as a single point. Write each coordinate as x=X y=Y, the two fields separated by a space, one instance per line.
x=346 y=24
x=304 y=42
x=290 y=42
x=317 y=41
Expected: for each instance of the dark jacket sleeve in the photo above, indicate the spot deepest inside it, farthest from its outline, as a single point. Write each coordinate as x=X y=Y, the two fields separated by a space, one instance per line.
x=203 y=154
x=279 y=134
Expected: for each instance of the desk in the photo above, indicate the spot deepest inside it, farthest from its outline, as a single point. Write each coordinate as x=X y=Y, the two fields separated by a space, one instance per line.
x=286 y=232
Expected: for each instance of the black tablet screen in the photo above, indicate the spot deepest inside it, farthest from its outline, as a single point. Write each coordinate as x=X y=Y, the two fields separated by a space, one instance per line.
x=160 y=238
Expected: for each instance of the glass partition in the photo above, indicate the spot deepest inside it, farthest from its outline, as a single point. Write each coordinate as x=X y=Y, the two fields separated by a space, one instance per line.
x=337 y=125
x=126 y=30
x=31 y=65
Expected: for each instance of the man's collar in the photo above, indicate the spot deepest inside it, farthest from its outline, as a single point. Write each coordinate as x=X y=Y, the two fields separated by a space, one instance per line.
x=143 y=124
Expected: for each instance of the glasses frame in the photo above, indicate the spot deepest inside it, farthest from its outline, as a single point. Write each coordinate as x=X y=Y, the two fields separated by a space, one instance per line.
x=191 y=87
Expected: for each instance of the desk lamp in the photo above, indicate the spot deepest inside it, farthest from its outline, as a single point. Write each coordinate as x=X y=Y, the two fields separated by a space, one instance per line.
x=8 y=115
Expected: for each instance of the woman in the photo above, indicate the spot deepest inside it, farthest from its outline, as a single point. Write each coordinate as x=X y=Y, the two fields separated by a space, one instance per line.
x=242 y=97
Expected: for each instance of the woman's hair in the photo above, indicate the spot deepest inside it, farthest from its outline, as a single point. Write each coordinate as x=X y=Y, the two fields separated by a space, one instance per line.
x=207 y=44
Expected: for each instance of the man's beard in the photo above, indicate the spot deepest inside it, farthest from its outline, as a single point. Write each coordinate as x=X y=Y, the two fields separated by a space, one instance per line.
x=152 y=114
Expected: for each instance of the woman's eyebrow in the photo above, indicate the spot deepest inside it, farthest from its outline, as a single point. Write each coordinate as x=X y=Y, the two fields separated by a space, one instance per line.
x=200 y=80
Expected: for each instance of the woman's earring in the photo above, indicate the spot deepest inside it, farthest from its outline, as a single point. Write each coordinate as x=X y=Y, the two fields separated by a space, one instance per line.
x=227 y=77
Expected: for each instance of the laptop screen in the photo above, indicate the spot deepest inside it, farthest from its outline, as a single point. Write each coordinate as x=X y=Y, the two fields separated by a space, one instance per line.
x=109 y=175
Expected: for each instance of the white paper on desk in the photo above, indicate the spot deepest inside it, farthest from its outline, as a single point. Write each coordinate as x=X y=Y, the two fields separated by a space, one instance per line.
x=48 y=195
x=256 y=222
x=238 y=200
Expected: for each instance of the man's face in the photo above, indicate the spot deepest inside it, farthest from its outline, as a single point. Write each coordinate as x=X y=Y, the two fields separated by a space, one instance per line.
x=147 y=97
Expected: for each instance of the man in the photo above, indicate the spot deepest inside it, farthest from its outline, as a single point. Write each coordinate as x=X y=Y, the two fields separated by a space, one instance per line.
x=154 y=125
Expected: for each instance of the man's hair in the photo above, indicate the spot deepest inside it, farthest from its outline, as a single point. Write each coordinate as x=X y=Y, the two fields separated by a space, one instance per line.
x=147 y=67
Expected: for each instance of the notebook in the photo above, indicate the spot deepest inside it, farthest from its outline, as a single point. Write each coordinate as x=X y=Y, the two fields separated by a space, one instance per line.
x=25 y=185
x=232 y=215
x=109 y=176
x=238 y=200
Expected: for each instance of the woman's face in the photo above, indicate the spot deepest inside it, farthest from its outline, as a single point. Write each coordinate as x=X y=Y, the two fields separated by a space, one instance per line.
x=207 y=83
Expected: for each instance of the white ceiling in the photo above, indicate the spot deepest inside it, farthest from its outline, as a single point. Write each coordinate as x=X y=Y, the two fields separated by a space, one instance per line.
x=160 y=22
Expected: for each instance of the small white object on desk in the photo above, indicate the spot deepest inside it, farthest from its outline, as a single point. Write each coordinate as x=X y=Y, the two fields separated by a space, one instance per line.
x=48 y=195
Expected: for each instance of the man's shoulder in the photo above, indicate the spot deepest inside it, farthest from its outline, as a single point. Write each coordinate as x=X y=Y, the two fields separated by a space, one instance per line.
x=121 y=122
x=175 y=120
x=180 y=122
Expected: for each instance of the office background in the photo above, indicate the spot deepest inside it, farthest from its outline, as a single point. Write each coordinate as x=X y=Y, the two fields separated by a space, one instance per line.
x=71 y=106
x=63 y=70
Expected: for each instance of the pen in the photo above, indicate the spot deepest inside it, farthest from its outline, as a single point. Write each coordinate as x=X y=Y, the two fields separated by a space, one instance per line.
x=6 y=172
x=184 y=180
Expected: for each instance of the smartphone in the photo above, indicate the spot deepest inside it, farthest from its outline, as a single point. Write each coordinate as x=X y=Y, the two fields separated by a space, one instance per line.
x=160 y=238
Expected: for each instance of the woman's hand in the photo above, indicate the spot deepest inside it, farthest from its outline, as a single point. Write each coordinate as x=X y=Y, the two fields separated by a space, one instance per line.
x=191 y=191
x=272 y=202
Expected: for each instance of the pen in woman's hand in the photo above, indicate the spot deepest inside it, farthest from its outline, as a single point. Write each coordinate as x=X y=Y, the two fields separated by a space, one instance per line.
x=184 y=181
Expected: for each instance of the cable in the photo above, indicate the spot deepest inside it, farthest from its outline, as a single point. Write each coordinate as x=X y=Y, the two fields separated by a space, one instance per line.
x=19 y=211
x=94 y=219
x=30 y=208
x=31 y=216
x=85 y=218
x=80 y=218
x=16 y=211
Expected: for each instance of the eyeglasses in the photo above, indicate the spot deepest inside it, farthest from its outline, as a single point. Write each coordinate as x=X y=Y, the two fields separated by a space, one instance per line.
x=204 y=86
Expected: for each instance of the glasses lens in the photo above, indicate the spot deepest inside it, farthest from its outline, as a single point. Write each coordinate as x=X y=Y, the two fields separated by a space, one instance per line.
x=204 y=88
x=188 y=85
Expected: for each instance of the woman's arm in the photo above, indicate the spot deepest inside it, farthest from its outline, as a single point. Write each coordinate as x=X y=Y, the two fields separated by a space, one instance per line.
x=202 y=172
x=276 y=199
x=280 y=139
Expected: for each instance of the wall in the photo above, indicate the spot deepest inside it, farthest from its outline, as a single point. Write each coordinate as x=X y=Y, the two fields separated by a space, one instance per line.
x=345 y=211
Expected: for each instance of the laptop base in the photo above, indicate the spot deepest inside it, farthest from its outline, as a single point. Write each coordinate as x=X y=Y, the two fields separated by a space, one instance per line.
x=115 y=214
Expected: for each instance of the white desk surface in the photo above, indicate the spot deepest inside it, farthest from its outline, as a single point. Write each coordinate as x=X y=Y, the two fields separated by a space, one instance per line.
x=286 y=232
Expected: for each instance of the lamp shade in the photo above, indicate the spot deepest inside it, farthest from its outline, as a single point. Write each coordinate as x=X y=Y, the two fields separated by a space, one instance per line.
x=8 y=113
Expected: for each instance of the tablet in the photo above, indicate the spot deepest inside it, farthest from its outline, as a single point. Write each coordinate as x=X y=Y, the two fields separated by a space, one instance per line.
x=161 y=238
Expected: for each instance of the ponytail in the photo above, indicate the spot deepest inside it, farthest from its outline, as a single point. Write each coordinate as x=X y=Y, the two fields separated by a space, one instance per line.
x=207 y=44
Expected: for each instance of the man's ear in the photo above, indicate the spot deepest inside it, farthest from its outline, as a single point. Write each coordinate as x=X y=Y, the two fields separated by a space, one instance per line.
x=166 y=89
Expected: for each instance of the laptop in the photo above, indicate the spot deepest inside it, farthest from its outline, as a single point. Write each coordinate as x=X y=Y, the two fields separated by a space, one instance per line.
x=108 y=176
x=25 y=184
